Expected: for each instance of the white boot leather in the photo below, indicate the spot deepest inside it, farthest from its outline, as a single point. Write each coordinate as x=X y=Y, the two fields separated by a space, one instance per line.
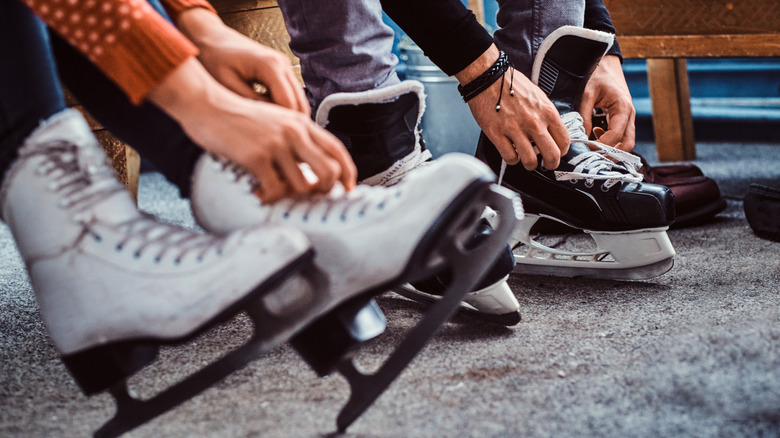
x=363 y=238
x=102 y=271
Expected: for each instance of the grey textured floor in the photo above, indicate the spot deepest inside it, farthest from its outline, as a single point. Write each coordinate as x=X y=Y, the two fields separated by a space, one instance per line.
x=693 y=353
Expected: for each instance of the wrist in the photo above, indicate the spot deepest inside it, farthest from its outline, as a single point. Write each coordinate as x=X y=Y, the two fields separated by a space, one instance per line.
x=187 y=93
x=478 y=66
x=200 y=25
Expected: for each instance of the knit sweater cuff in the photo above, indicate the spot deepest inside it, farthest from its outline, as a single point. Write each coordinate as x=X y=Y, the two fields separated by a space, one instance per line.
x=176 y=7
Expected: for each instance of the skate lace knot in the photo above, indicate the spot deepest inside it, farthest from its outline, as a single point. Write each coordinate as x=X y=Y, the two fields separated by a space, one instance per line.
x=600 y=162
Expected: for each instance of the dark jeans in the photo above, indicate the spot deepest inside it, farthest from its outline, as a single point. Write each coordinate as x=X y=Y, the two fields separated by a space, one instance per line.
x=30 y=93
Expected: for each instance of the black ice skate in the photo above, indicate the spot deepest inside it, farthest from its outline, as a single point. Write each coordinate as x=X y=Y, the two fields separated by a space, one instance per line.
x=596 y=188
x=380 y=130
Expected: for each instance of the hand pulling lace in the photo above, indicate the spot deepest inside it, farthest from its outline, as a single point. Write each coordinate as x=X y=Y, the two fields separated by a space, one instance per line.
x=486 y=79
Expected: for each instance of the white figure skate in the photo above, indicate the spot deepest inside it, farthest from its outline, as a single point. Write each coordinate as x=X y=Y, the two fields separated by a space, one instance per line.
x=380 y=129
x=596 y=188
x=114 y=284
x=369 y=240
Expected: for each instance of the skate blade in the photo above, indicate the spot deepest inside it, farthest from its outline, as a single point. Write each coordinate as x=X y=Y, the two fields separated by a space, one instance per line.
x=271 y=328
x=606 y=273
x=446 y=243
x=505 y=319
x=626 y=255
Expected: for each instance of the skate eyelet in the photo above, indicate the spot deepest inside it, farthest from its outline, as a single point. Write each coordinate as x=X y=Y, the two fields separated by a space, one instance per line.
x=157 y=259
x=97 y=238
x=574 y=181
x=137 y=255
x=177 y=261
x=286 y=214
x=305 y=218
x=604 y=188
x=119 y=247
x=199 y=259
x=361 y=213
x=380 y=206
x=588 y=184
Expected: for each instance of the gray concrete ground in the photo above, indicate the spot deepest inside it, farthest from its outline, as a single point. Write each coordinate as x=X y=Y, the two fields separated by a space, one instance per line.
x=693 y=353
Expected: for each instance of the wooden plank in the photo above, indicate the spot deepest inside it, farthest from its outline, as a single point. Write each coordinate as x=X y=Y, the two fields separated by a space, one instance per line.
x=694 y=17
x=242 y=5
x=700 y=46
x=265 y=26
x=133 y=166
x=672 y=121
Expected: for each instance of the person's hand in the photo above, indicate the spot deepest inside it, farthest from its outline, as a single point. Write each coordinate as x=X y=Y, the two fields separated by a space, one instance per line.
x=528 y=116
x=268 y=140
x=238 y=62
x=607 y=89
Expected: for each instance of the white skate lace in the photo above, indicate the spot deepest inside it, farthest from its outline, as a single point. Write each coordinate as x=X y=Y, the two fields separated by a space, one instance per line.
x=602 y=162
x=338 y=203
x=400 y=168
x=84 y=185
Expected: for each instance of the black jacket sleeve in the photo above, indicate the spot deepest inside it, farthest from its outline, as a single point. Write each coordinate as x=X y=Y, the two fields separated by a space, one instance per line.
x=447 y=32
x=597 y=18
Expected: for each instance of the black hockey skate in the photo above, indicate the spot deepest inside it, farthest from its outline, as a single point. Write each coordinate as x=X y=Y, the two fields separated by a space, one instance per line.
x=596 y=188
x=380 y=130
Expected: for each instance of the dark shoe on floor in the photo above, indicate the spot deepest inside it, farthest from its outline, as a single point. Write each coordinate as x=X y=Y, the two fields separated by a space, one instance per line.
x=697 y=197
x=762 y=211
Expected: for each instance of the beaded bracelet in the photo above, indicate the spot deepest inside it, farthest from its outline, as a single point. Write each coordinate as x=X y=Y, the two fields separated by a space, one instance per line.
x=486 y=79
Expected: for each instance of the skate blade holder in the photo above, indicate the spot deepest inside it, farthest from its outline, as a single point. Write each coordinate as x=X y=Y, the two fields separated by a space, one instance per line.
x=445 y=246
x=272 y=327
x=619 y=255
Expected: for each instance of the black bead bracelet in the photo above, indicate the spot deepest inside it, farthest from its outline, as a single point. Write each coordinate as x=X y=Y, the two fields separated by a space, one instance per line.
x=486 y=79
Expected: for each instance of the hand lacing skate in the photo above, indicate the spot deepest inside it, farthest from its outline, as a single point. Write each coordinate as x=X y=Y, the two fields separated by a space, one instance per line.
x=83 y=185
x=599 y=162
x=338 y=202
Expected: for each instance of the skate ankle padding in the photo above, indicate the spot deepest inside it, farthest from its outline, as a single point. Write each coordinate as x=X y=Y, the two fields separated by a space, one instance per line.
x=376 y=134
x=565 y=61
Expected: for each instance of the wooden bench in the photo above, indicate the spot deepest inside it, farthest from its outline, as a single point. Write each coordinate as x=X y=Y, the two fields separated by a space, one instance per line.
x=667 y=32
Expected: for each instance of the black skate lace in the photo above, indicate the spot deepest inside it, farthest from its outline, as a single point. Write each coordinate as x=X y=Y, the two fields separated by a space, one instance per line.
x=84 y=185
x=339 y=201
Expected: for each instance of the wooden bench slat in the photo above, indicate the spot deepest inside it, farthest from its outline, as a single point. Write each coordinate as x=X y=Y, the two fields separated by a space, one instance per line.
x=700 y=46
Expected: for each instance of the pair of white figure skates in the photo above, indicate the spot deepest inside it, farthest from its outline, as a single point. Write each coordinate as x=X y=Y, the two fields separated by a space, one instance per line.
x=114 y=284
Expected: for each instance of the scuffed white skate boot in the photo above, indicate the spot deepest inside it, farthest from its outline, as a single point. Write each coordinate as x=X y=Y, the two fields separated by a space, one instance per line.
x=371 y=239
x=113 y=284
x=380 y=129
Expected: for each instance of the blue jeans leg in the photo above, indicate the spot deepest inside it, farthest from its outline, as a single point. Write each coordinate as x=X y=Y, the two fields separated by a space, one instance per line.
x=29 y=87
x=524 y=24
x=343 y=45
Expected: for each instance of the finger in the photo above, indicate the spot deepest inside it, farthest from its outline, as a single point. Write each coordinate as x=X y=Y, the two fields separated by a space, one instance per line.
x=325 y=168
x=506 y=149
x=560 y=135
x=598 y=132
x=292 y=174
x=526 y=153
x=617 y=128
x=334 y=148
x=551 y=154
x=629 y=139
x=270 y=186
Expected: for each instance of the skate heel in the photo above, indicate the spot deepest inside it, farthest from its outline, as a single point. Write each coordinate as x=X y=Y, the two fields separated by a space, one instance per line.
x=326 y=342
x=101 y=367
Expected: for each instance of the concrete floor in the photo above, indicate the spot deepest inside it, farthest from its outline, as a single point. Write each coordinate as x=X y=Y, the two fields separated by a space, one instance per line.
x=692 y=353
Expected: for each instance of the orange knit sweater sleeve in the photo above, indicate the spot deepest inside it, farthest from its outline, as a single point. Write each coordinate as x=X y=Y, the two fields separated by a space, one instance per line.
x=127 y=39
x=176 y=7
